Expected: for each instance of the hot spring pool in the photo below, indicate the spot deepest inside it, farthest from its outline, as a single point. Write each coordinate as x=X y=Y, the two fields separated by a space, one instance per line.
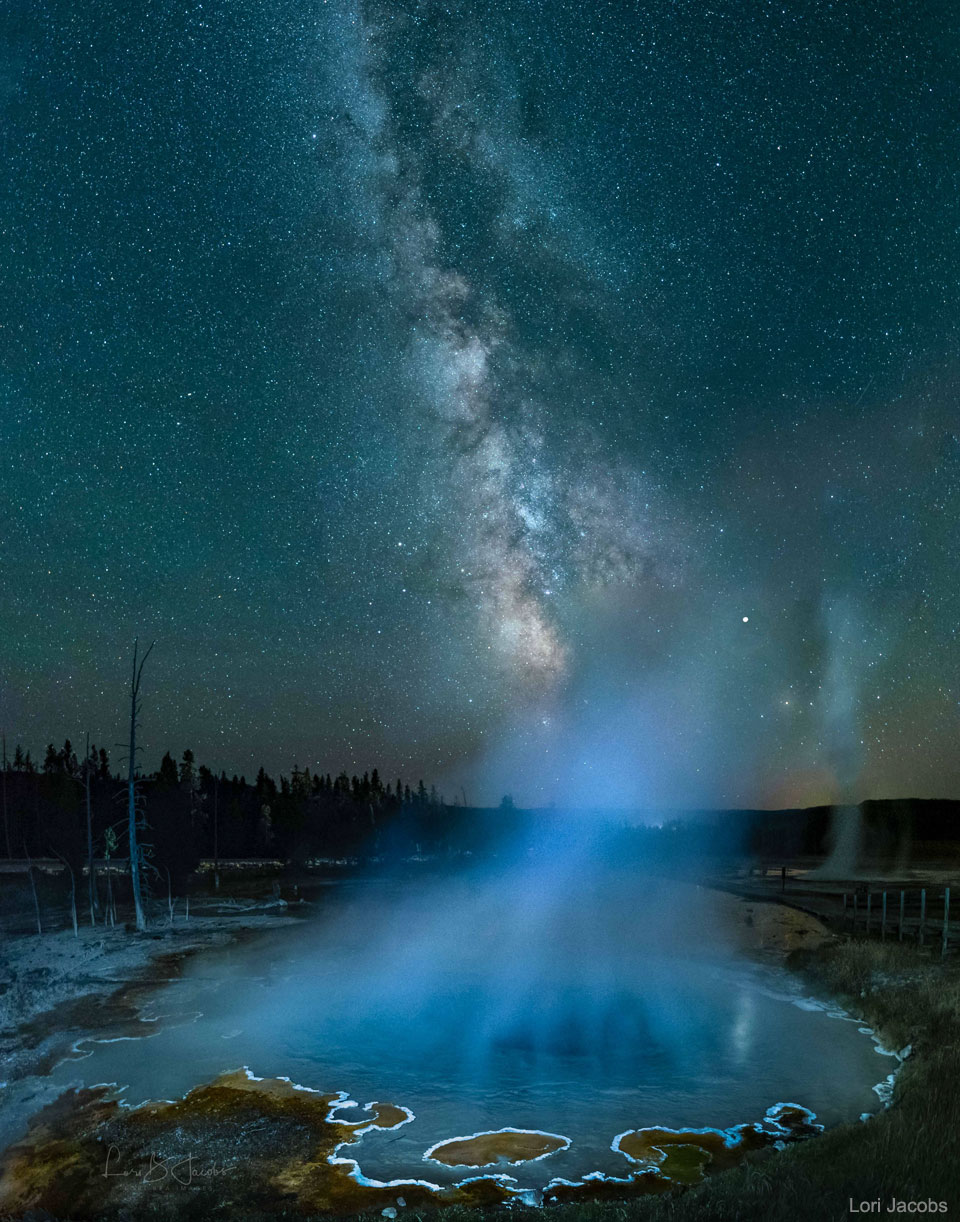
x=582 y=1009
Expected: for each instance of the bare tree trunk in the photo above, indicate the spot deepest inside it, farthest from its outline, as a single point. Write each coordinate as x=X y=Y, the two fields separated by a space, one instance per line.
x=73 y=894
x=216 y=841
x=91 y=876
x=132 y=790
x=73 y=901
x=132 y=802
x=39 y=836
x=33 y=886
x=111 y=909
x=6 y=824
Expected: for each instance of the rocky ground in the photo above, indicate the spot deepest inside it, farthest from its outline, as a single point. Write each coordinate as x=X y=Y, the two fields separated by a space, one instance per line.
x=772 y=929
x=56 y=986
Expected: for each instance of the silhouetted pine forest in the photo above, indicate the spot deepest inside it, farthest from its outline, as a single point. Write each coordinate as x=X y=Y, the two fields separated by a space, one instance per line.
x=188 y=812
x=73 y=808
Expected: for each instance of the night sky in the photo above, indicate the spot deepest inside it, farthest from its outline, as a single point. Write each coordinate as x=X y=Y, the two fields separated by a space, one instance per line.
x=555 y=398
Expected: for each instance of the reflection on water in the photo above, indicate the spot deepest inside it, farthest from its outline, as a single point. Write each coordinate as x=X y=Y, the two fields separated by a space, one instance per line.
x=612 y=1005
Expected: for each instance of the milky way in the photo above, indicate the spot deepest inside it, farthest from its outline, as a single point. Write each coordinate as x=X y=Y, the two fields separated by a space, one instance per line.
x=547 y=399
x=528 y=522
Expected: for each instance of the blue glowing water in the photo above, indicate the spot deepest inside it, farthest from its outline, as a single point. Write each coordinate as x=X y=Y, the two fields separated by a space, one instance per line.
x=596 y=1006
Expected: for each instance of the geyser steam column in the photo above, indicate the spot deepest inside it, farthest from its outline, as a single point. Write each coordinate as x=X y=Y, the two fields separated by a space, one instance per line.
x=848 y=649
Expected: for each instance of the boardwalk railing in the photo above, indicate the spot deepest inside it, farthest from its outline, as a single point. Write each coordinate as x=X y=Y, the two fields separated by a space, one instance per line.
x=915 y=919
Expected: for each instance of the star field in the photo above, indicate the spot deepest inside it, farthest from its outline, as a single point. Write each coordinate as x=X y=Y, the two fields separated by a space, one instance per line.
x=546 y=398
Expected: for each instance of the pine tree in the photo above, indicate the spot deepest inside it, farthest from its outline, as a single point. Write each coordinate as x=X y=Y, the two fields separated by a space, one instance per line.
x=68 y=759
x=167 y=776
x=186 y=768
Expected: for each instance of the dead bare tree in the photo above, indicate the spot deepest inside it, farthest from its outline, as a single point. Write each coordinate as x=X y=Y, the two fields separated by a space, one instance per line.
x=169 y=897
x=73 y=892
x=33 y=885
x=132 y=788
x=6 y=824
x=109 y=847
x=216 y=830
x=91 y=876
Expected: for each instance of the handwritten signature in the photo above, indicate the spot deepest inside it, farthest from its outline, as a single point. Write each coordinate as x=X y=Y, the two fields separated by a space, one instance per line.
x=159 y=1170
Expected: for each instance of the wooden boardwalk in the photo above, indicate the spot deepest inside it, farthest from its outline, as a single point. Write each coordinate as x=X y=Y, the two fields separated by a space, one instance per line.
x=924 y=908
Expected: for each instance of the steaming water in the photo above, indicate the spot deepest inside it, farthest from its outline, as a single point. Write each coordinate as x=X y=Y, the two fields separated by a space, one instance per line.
x=583 y=1009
